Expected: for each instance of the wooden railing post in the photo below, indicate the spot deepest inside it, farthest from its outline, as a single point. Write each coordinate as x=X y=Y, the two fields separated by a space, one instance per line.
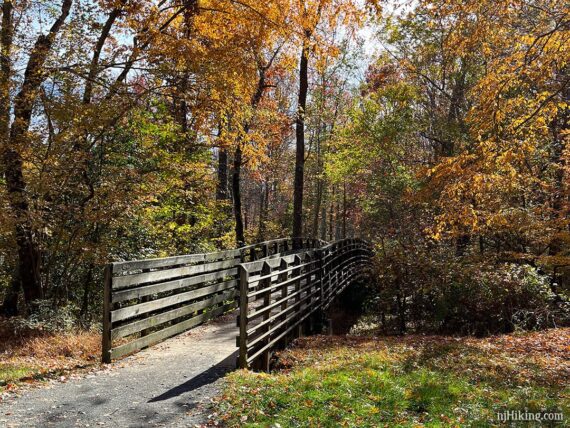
x=106 y=344
x=242 y=319
x=309 y=263
x=283 y=277
x=297 y=261
x=320 y=315
x=265 y=283
x=321 y=277
x=325 y=280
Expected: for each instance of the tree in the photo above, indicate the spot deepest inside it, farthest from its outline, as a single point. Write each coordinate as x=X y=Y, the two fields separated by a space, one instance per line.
x=309 y=17
x=35 y=74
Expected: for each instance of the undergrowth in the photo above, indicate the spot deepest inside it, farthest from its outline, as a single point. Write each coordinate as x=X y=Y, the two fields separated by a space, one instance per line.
x=28 y=355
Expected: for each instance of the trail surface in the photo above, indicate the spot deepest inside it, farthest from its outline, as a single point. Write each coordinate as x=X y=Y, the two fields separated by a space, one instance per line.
x=170 y=384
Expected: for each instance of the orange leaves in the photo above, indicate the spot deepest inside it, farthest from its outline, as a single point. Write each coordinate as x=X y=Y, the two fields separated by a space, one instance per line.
x=505 y=180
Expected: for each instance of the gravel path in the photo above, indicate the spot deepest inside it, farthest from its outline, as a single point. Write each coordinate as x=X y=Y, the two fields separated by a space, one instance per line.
x=170 y=384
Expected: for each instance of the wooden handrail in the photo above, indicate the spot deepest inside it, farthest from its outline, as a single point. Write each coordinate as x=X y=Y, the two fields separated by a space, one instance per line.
x=295 y=289
x=147 y=301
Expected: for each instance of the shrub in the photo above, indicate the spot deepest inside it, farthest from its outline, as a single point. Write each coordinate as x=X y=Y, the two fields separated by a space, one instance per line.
x=46 y=318
x=422 y=294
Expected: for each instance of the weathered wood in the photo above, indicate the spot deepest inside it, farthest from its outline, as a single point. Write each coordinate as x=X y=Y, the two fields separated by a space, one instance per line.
x=253 y=331
x=164 y=317
x=135 y=293
x=127 y=266
x=243 y=302
x=283 y=280
x=255 y=266
x=166 y=274
x=279 y=285
x=295 y=289
x=266 y=270
x=263 y=310
x=158 y=336
x=277 y=338
x=142 y=308
x=106 y=337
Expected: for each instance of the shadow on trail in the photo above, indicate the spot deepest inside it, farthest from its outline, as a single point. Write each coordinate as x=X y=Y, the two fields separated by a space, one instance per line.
x=206 y=377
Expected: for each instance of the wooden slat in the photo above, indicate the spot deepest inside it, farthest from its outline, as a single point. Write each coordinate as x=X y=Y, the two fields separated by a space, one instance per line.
x=146 y=290
x=263 y=309
x=253 y=330
x=166 y=274
x=220 y=255
x=277 y=285
x=242 y=319
x=142 y=308
x=255 y=267
x=155 y=320
x=121 y=267
x=158 y=336
x=274 y=340
x=126 y=266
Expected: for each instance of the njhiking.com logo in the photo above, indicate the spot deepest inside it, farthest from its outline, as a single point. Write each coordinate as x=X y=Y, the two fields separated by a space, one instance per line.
x=525 y=415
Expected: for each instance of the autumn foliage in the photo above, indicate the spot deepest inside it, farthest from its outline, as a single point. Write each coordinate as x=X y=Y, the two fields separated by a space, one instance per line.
x=135 y=128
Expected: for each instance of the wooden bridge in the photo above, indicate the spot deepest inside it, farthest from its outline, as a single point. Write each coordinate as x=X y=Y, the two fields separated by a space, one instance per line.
x=280 y=292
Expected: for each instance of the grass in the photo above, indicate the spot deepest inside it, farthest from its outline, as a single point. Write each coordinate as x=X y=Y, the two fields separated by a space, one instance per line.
x=35 y=355
x=404 y=382
x=10 y=373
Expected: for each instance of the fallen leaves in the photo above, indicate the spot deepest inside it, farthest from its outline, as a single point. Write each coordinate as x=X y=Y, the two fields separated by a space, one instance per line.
x=29 y=359
x=406 y=381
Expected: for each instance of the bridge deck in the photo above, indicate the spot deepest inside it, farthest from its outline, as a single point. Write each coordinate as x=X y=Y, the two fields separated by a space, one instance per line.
x=169 y=384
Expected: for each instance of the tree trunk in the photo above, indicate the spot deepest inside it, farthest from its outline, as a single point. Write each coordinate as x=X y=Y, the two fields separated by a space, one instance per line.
x=331 y=216
x=344 y=212
x=222 y=189
x=28 y=249
x=324 y=223
x=318 y=200
x=300 y=146
x=6 y=37
x=236 y=191
x=238 y=157
x=94 y=67
x=263 y=210
x=10 y=305
x=319 y=188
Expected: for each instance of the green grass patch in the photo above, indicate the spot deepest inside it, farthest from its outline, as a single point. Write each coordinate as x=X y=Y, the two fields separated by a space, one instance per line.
x=11 y=373
x=393 y=384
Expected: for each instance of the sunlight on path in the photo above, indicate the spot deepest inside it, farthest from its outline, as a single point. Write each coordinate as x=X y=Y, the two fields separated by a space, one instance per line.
x=170 y=384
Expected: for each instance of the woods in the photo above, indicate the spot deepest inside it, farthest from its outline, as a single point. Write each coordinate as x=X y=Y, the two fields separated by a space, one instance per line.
x=368 y=200
x=438 y=131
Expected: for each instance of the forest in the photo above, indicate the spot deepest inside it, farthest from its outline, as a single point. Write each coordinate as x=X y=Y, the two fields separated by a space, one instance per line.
x=436 y=130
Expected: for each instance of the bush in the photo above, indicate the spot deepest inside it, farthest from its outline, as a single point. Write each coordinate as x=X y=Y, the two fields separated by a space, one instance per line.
x=421 y=294
x=46 y=318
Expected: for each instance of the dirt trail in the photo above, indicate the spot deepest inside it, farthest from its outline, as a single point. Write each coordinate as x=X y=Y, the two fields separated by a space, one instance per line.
x=170 y=384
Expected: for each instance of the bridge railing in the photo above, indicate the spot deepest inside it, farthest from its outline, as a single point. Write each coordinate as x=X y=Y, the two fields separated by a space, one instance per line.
x=147 y=301
x=280 y=295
